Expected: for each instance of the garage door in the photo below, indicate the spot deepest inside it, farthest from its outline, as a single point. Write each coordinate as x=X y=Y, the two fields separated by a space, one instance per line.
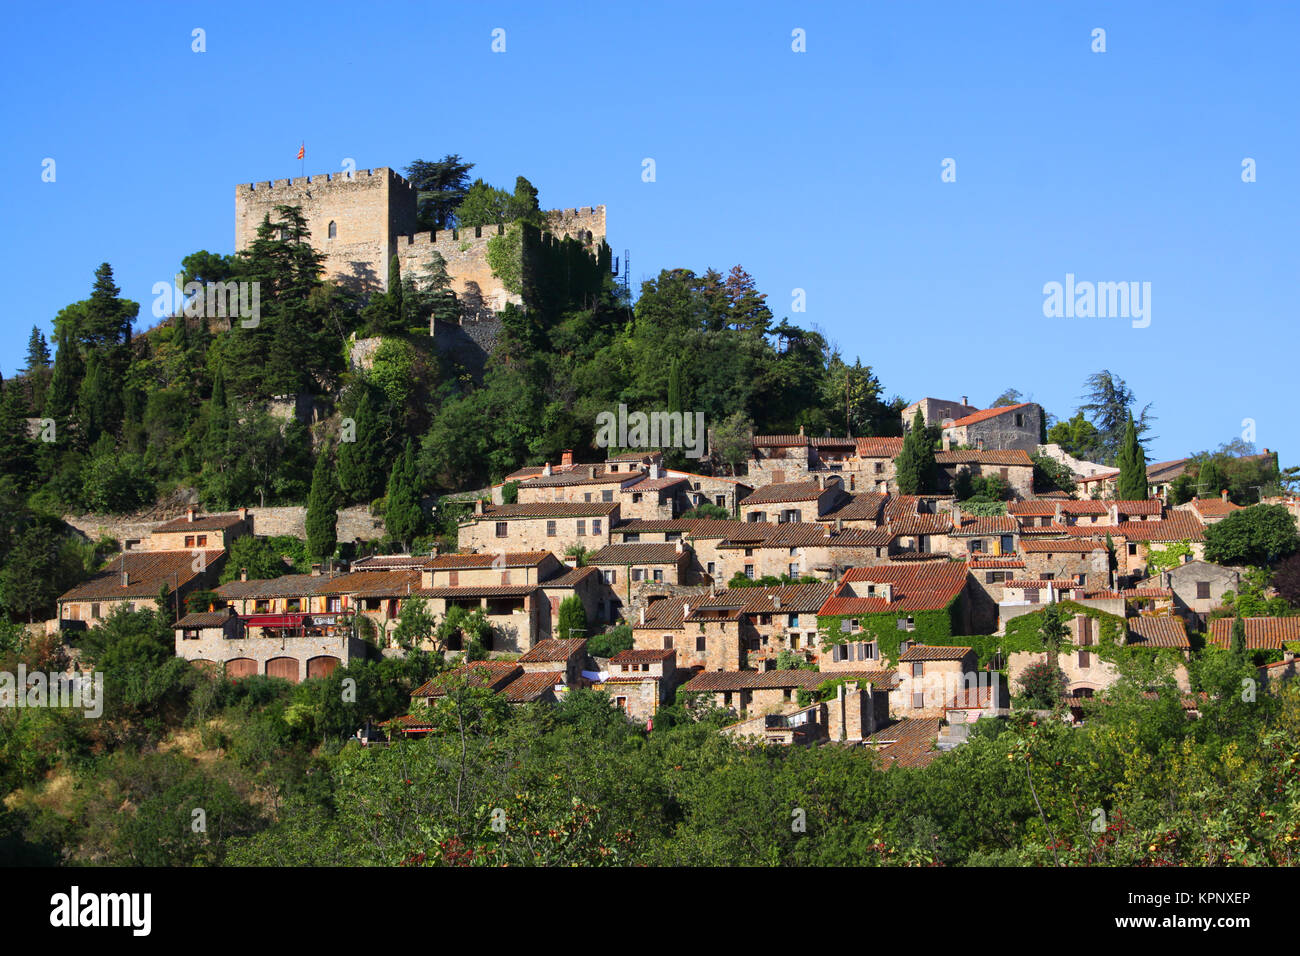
x=241 y=667
x=322 y=666
x=286 y=667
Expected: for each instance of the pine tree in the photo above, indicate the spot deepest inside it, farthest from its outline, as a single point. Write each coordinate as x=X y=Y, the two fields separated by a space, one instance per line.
x=61 y=398
x=1132 y=485
x=360 y=468
x=403 y=516
x=38 y=352
x=322 y=508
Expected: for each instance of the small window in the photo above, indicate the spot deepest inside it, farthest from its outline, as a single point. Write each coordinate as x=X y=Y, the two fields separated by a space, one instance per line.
x=333 y=230
x=550 y=529
x=595 y=526
x=700 y=644
x=94 y=610
x=502 y=529
x=189 y=541
x=749 y=571
x=668 y=642
x=203 y=541
x=659 y=575
x=918 y=669
x=607 y=495
x=582 y=527
x=1202 y=591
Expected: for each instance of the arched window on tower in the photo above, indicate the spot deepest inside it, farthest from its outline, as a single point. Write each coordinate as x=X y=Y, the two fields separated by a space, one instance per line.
x=334 y=229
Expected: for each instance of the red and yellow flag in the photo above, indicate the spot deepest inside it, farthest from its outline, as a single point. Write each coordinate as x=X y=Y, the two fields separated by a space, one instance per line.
x=302 y=151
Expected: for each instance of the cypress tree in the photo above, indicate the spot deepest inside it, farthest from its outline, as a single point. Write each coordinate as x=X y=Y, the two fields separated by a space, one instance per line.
x=1132 y=484
x=914 y=467
x=402 y=515
x=61 y=398
x=1237 y=643
x=322 y=508
x=360 y=471
x=1209 y=479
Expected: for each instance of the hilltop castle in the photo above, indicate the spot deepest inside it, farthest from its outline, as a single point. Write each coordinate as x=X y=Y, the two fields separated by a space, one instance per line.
x=360 y=220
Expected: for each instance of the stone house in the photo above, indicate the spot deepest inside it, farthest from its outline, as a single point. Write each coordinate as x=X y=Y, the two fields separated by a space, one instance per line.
x=1014 y=466
x=1081 y=561
x=937 y=411
x=777 y=691
x=198 y=532
x=625 y=564
x=566 y=655
x=929 y=676
x=1198 y=588
x=982 y=535
x=794 y=501
x=641 y=681
x=220 y=639
x=855 y=712
x=799 y=550
x=1007 y=427
x=544 y=526
x=655 y=497
x=1210 y=510
x=711 y=490
x=134 y=579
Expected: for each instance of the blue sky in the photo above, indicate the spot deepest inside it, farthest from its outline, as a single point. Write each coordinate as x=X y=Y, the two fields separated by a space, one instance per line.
x=816 y=170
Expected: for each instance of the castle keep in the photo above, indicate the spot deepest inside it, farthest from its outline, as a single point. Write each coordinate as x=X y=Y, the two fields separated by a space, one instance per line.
x=360 y=220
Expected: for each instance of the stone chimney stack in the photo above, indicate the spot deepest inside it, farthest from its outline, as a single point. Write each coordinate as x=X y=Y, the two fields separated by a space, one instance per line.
x=642 y=616
x=776 y=601
x=315 y=570
x=1224 y=494
x=546 y=468
x=189 y=513
x=243 y=514
x=839 y=525
x=965 y=401
x=680 y=546
x=243 y=574
x=566 y=457
x=126 y=576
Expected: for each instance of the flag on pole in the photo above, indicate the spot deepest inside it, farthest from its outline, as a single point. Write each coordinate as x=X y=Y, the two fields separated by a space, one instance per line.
x=302 y=151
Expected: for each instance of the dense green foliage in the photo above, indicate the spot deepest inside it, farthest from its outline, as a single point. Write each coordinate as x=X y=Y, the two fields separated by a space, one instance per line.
x=1258 y=535
x=1132 y=483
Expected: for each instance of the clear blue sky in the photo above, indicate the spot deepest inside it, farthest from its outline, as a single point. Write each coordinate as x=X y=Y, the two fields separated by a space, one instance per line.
x=818 y=170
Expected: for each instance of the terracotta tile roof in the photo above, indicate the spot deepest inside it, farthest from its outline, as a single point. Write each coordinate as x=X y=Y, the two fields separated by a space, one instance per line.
x=920 y=524
x=694 y=527
x=532 y=471
x=1158 y=632
x=147 y=572
x=473 y=561
x=989 y=564
x=1148 y=506
x=908 y=742
x=897 y=506
x=530 y=687
x=1042 y=584
x=389 y=562
x=207 y=619
x=1103 y=594
x=794 y=599
x=1085 y=507
x=1177 y=526
x=636 y=456
x=1061 y=545
x=1262 y=633
x=638 y=552
x=932 y=652
x=806 y=534
x=1009 y=457
x=476 y=591
x=779 y=441
x=1036 y=507
x=656 y=484
x=717 y=681
x=549 y=509
x=667 y=612
x=581 y=477
x=1045 y=529
x=929 y=586
x=200 y=523
x=784 y=491
x=554 y=650
x=1213 y=507
x=491 y=674
x=373 y=583
x=987 y=524
x=986 y=414
x=287 y=585
x=865 y=506
x=570 y=577
x=1148 y=593
x=634 y=656
x=878 y=447
x=1167 y=470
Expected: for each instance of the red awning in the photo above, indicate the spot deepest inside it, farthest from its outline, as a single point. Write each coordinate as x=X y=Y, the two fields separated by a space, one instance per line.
x=274 y=620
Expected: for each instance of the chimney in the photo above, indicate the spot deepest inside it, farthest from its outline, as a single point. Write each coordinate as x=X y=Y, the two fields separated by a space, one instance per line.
x=591 y=471
x=965 y=401
x=315 y=570
x=243 y=574
x=889 y=592
x=776 y=601
x=566 y=457
x=189 y=513
x=839 y=525
x=1224 y=494
x=546 y=469
x=956 y=516
x=686 y=611
x=680 y=546
x=243 y=514
x=801 y=431
x=643 y=614
x=126 y=576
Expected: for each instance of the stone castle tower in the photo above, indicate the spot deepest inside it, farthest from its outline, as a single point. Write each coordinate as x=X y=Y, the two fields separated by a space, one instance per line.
x=362 y=219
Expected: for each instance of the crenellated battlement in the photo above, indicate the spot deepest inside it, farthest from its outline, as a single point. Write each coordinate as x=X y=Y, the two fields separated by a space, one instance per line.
x=361 y=176
x=447 y=237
